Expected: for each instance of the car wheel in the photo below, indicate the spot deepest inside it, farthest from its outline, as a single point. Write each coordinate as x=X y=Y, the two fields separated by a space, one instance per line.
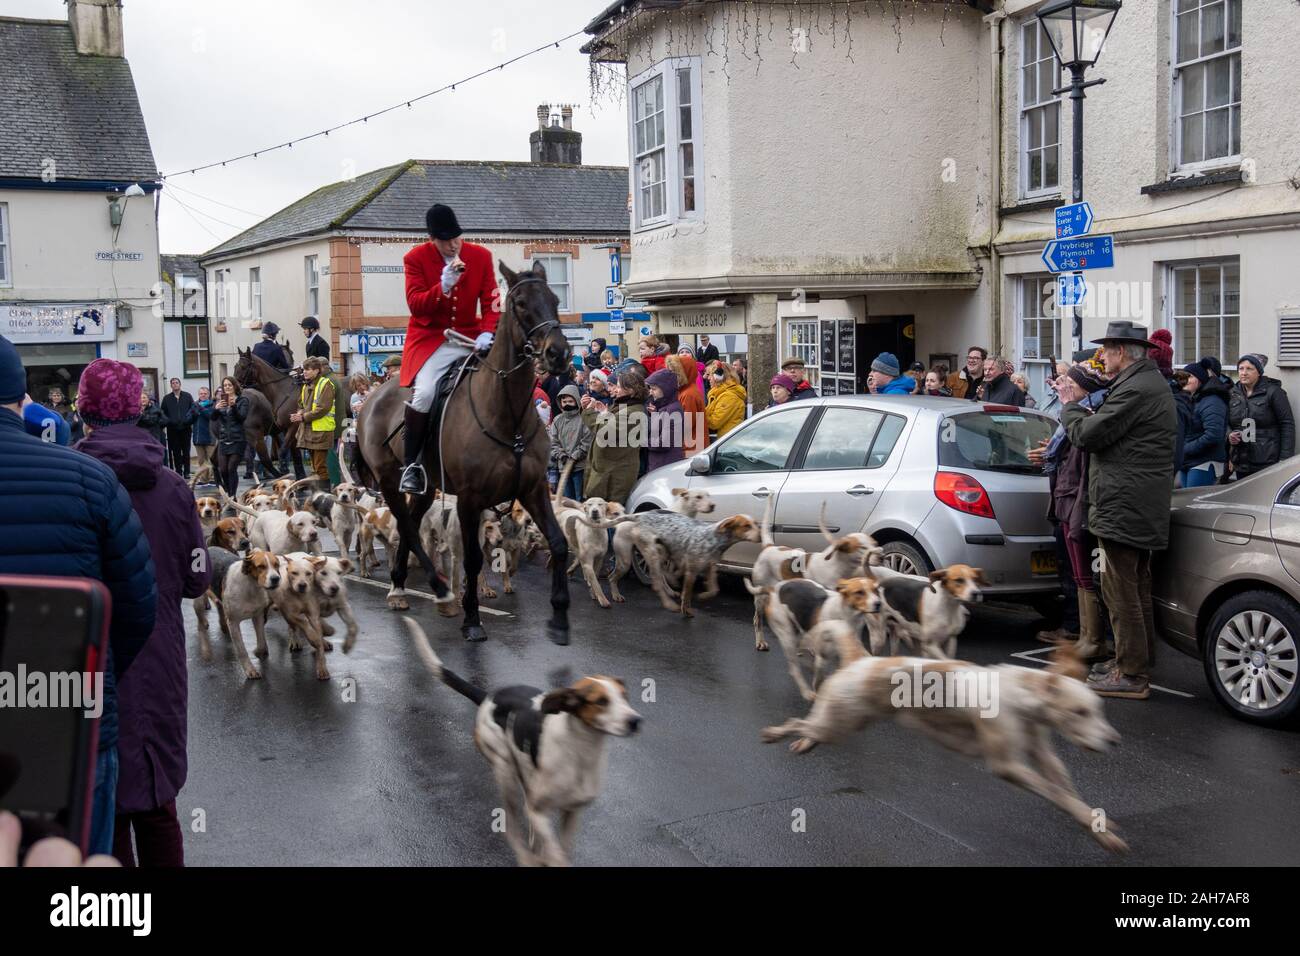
x=904 y=558
x=640 y=568
x=1250 y=658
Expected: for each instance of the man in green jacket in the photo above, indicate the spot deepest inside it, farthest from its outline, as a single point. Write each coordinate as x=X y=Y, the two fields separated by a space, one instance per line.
x=1130 y=441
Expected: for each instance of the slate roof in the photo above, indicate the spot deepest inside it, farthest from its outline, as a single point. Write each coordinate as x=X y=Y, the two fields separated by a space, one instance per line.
x=188 y=266
x=540 y=198
x=80 y=111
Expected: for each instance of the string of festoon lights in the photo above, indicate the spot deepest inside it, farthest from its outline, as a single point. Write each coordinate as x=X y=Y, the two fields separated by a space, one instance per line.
x=406 y=103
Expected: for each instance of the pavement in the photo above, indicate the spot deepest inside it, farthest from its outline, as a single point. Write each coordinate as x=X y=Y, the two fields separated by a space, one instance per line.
x=376 y=765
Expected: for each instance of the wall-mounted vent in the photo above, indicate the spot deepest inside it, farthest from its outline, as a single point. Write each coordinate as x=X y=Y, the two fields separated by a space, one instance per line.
x=1288 y=338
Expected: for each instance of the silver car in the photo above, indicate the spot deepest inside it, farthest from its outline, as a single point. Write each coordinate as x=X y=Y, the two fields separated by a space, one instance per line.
x=935 y=481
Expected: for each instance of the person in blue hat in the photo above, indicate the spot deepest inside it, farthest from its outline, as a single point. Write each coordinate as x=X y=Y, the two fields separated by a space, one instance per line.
x=886 y=378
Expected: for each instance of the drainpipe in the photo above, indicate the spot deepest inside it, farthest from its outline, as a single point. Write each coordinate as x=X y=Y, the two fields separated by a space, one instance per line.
x=994 y=20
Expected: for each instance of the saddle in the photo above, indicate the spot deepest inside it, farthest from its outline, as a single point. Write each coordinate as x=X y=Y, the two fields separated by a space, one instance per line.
x=442 y=392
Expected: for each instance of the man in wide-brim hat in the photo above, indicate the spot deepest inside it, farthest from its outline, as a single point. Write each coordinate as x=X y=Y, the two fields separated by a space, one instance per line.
x=1130 y=440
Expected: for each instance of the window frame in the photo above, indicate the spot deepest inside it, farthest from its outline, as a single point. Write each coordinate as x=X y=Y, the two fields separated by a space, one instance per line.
x=1035 y=369
x=666 y=71
x=1173 y=319
x=311 y=264
x=791 y=349
x=1026 y=111
x=1176 y=165
x=545 y=258
x=6 y=249
x=255 y=292
x=205 y=350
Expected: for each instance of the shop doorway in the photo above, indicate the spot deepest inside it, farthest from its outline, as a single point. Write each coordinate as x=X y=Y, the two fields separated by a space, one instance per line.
x=885 y=333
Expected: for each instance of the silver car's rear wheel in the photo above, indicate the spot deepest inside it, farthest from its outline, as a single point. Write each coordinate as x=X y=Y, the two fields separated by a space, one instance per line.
x=1251 y=656
x=904 y=558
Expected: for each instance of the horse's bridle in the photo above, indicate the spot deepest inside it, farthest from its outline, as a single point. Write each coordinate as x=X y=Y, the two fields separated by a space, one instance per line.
x=520 y=442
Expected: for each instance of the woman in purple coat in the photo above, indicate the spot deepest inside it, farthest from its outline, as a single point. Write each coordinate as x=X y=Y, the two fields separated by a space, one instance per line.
x=152 y=695
x=666 y=433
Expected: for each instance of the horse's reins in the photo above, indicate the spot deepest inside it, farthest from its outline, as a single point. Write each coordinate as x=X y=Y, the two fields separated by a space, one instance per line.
x=520 y=443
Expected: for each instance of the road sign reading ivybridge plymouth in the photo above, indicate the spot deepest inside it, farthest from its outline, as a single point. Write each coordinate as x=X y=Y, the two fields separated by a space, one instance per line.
x=1073 y=220
x=1085 y=252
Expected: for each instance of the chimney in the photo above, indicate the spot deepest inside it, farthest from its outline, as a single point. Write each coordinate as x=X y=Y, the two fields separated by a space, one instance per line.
x=96 y=27
x=555 y=142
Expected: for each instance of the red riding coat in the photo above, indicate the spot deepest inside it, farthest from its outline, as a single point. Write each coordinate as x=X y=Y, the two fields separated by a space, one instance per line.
x=432 y=313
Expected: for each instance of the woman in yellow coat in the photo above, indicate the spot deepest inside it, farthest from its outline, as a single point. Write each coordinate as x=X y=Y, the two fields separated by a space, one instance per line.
x=726 y=407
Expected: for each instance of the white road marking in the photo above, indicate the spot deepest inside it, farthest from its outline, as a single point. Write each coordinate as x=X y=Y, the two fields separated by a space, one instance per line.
x=371 y=582
x=1032 y=654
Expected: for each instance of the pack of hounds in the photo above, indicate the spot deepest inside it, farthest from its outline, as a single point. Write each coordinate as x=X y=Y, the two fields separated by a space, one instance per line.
x=861 y=627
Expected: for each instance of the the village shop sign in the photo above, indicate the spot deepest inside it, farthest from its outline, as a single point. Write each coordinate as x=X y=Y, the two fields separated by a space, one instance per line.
x=44 y=322
x=700 y=320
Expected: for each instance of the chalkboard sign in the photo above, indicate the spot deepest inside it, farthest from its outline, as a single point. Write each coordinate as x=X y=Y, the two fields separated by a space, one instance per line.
x=829 y=386
x=847 y=386
x=847 y=346
x=828 y=363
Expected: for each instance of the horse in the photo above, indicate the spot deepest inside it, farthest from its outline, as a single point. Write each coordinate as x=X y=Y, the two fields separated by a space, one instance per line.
x=495 y=450
x=281 y=392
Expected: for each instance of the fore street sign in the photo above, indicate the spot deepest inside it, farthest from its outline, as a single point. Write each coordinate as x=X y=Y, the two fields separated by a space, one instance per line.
x=1085 y=252
x=1071 y=290
x=1073 y=220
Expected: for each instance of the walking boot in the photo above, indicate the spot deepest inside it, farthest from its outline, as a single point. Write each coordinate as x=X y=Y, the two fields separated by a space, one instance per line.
x=1089 y=644
x=414 y=479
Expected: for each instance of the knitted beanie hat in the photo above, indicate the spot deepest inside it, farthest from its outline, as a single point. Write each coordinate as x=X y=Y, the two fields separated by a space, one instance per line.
x=109 y=393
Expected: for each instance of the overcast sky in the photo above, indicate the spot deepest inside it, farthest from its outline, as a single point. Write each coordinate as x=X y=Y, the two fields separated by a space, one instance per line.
x=220 y=79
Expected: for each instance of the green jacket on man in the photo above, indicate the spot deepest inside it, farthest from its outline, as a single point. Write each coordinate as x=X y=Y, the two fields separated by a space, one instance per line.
x=1130 y=442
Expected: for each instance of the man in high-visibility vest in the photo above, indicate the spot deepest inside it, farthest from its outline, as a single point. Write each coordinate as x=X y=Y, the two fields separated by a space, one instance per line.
x=315 y=414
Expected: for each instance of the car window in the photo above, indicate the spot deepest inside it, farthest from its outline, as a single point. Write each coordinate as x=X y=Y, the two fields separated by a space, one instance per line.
x=843 y=438
x=1292 y=495
x=886 y=439
x=993 y=441
x=762 y=445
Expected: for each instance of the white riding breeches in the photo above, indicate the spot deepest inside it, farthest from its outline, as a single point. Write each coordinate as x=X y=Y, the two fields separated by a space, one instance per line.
x=426 y=380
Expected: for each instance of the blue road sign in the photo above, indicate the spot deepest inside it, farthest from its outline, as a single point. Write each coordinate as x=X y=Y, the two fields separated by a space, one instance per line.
x=616 y=315
x=1073 y=220
x=615 y=267
x=1085 y=252
x=363 y=343
x=1071 y=290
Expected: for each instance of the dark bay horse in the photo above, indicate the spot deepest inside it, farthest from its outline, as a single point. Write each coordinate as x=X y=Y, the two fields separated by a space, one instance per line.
x=281 y=394
x=494 y=445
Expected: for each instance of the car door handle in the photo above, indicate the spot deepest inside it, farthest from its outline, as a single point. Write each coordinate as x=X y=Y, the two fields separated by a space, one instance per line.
x=859 y=490
x=761 y=492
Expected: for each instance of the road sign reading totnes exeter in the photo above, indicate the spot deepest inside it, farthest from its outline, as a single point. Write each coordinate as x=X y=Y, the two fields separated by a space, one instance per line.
x=1086 y=252
x=1073 y=220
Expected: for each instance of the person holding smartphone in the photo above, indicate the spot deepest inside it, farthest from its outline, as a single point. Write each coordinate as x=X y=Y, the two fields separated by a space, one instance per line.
x=67 y=515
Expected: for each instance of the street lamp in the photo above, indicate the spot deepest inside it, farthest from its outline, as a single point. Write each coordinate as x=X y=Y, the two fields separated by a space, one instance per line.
x=1077 y=30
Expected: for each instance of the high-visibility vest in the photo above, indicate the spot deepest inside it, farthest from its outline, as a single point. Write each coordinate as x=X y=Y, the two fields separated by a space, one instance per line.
x=326 y=422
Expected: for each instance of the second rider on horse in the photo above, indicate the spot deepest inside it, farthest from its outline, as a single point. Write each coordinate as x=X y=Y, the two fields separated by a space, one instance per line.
x=448 y=282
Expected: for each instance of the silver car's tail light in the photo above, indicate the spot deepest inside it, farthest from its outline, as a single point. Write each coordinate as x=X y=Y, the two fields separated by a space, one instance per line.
x=962 y=493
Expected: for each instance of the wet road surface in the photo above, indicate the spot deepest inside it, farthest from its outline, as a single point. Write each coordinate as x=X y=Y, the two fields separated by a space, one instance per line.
x=376 y=766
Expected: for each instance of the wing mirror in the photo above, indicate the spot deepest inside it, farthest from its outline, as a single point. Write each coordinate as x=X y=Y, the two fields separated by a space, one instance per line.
x=701 y=464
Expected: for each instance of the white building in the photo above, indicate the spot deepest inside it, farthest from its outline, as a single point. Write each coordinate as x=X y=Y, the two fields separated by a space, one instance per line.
x=883 y=177
x=78 y=216
x=337 y=253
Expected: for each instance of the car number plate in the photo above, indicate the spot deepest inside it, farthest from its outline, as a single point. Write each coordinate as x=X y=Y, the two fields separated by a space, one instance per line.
x=1043 y=562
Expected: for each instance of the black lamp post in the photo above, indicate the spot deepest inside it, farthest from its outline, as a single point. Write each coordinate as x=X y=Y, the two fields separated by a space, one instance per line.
x=1077 y=30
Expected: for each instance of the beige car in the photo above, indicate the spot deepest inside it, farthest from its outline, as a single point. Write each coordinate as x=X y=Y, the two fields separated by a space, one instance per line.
x=1228 y=589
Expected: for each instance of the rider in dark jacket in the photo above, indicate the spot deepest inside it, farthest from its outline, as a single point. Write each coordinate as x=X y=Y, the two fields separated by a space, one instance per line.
x=269 y=351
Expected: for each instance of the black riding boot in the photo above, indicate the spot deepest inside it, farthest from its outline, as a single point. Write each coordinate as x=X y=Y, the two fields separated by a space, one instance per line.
x=414 y=480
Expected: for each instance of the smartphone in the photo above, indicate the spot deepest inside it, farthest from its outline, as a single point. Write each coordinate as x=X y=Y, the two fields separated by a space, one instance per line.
x=53 y=648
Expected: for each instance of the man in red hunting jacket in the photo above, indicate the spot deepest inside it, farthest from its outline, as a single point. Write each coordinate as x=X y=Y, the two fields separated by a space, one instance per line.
x=448 y=282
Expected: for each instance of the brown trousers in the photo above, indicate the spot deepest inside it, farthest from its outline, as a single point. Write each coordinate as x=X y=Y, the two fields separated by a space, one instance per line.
x=1126 y=589
x=319 y=462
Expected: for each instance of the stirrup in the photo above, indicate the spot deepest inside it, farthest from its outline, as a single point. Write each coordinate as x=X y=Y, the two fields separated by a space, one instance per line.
x=414 y=480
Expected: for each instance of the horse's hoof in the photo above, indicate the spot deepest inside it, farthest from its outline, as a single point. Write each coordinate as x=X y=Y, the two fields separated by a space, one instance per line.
x=473 y=633
x=447 y=609
x=557 y=635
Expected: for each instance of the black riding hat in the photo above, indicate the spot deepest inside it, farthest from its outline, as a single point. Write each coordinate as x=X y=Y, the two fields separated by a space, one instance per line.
x=270 y=330
x=441 y=222
x=310 y=323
